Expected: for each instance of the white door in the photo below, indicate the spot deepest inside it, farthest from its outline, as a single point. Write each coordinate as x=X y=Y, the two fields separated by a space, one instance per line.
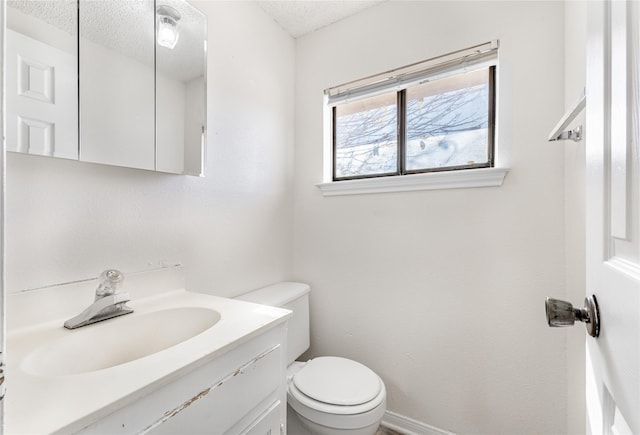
x=3 y=313
x=613 y=215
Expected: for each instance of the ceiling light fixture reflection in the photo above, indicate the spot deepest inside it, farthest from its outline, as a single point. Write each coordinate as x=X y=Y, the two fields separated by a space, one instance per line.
x=168 y=31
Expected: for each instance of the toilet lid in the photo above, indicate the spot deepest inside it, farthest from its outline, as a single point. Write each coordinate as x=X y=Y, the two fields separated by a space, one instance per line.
x=337 y=381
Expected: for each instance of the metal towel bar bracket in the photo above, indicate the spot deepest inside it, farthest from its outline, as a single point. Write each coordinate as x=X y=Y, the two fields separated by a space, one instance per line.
x=574 y=134
x=560 y=132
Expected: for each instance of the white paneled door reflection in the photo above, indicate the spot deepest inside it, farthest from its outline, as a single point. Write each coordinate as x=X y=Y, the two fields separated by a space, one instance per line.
x=42 y=98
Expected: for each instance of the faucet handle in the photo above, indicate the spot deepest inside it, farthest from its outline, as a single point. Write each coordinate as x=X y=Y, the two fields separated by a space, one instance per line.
x=110 y=281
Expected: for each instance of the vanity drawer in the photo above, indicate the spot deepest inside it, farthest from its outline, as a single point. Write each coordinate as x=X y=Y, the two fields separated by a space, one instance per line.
x=218 y=407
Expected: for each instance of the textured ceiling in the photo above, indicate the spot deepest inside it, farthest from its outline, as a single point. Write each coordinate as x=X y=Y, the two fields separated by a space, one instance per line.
x=128 y=27
x=299 y=17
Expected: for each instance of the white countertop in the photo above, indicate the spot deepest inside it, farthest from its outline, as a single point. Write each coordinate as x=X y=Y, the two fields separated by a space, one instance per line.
x=48 y=404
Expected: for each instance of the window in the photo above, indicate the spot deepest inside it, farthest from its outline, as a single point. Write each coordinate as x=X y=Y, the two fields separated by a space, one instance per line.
x=365 y=137
x=433 y=116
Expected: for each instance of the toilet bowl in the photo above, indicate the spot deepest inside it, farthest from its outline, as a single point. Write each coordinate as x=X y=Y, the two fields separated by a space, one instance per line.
x=332 y=395
x=326 y=395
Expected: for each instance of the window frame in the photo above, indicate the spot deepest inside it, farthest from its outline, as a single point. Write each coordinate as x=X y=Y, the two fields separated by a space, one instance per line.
x=401 y=141
x=486 y=174
x=334 y=151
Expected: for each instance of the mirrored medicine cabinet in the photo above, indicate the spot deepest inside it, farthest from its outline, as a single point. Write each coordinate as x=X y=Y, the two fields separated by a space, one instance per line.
x=115 y=82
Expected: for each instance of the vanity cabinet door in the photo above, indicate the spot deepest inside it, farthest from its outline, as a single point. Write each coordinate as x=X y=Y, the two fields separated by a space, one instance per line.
x=241 y=391
x=269 y=422
x=219 y=407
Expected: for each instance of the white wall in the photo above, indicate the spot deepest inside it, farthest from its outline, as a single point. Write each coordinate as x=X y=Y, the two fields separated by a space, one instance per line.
x=441 y=292
x=171 y=116
x=68 y=220
x=194 y=118
x=41 y=30
x=118 y=116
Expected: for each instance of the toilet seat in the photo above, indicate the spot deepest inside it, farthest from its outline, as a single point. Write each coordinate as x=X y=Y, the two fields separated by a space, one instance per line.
x=328 y=408
x=337 y=381
x=315 y=381
x=337 y=416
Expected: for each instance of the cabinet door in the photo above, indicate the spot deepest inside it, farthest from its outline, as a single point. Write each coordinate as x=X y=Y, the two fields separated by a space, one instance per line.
x=117 y=82
x=218 y=407
x=269 y=422
x=224 y=395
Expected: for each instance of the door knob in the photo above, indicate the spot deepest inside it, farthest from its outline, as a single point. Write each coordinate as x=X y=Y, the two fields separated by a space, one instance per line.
x=562 y=313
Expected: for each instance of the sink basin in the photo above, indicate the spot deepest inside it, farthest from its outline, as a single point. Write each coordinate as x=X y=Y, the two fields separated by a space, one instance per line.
x=118 y=341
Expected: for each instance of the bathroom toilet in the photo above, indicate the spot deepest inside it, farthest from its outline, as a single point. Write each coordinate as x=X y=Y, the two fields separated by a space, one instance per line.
x=326 y=395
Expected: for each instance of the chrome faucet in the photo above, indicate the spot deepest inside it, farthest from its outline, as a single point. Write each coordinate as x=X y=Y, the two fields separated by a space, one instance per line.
x=107 y=304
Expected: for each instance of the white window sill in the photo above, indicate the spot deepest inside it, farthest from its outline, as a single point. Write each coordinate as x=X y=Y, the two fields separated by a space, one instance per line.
x=484 y=177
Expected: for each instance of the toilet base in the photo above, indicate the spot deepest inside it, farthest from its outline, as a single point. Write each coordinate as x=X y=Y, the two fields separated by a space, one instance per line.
x=298 y=425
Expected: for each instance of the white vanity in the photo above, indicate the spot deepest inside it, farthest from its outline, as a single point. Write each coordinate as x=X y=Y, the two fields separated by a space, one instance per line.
x=183 y=362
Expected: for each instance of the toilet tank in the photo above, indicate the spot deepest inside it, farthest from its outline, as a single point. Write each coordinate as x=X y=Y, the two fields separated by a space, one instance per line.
x=292 y=296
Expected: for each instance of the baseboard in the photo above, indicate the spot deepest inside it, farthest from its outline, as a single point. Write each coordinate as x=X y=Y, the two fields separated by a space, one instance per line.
x=408 y=426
